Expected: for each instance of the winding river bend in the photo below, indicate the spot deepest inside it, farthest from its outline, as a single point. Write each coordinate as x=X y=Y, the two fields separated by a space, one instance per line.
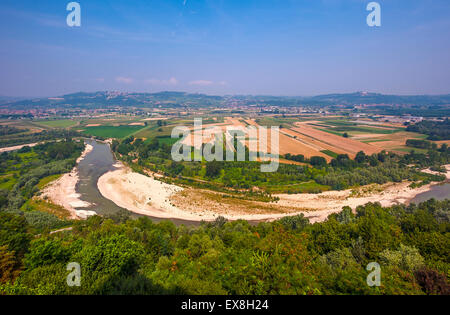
x=99 y=161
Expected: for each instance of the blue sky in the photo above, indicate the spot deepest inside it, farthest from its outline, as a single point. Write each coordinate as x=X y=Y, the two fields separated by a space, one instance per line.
x=277 y=47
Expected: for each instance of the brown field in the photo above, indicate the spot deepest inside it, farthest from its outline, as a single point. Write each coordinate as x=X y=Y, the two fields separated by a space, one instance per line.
x=251 y=122
x=294 y=146
x=234 y=121
x=338 y=143
x=313 y=143
x=305 y=139
x=392 y=142
x=439 y=143
x=288 y=144
x=156 y=118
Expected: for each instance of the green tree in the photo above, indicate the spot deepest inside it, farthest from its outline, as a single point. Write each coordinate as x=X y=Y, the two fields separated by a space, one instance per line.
x=406 y=257
x=213 y=169
x=46 y=252
x=13 y=233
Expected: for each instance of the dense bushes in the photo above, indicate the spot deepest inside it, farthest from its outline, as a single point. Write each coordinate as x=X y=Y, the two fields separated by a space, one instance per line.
x=436 y=130
x=290 y=256
x=32 y=165
x=44 y=135
x=420 y=144
x=341 y=173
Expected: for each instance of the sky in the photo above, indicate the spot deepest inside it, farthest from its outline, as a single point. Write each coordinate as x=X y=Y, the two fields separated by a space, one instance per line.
x=259 y=47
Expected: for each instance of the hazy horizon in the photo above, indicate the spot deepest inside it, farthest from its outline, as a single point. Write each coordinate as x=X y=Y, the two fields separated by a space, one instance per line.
x=212 y=94
x=217 y=47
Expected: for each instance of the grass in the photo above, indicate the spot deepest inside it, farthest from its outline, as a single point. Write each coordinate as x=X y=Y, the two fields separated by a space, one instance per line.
x=303 y=188
x=63 y=123
x=7 y=181
x=154 y=132
x=331 y=131
x=409 y=149
x=275 y=122
x=118 y=132
x=167 y=140
x=330 y=153
x=338 y=127
x=9 y=178
x=378 y=140
x=36 y=204
x=47 y=180
x=366 y=130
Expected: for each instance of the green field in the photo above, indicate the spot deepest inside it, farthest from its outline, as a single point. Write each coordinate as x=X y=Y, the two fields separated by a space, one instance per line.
x=155 y=132
x=366 y=130
x=64 y=123
x=118 y=132
x=275 y=122
x=377 y=140
x=300 y=188
x=167 y=140
x=409 y=149
x=330 y=153
x=339 y=127
x=331 y=131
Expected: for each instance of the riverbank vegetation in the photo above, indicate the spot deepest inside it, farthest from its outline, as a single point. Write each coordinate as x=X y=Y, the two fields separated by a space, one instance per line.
x=289 y=256
x=436 y=130
x=314 y=175
x=33 y=137
x=24 y=172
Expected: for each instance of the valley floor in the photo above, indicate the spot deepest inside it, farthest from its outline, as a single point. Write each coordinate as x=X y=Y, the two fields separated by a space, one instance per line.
x=148 y=196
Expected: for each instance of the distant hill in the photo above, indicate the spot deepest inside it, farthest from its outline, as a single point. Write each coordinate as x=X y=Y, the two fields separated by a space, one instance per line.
x=381 y=99
x=9 y=99
x=106 y=99
x=116 y=99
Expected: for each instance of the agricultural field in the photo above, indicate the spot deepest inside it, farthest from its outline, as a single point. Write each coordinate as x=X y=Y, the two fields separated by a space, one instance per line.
x=392 y=142
x=118 y=132
x=334 y=136
x=63 y=123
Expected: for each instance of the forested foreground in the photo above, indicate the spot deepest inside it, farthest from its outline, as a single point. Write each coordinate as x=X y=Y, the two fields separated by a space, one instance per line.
x=290 y=256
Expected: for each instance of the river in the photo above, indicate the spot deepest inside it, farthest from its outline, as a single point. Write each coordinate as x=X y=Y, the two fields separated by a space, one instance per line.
x=96 y=163
x=101 y=160
x=438 y=192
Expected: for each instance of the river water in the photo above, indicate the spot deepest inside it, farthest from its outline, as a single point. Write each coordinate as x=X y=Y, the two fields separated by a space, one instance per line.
x=96 y=163
x=438 y=192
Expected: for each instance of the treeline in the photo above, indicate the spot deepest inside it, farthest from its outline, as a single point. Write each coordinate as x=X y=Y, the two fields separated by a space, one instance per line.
x=289 y=256
x=417 y=111
x=420 y=144
x=10 y=130
x=44 y=135
x=436 y=130
x=344 y=172
x=155 y=155
x=28 y=166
